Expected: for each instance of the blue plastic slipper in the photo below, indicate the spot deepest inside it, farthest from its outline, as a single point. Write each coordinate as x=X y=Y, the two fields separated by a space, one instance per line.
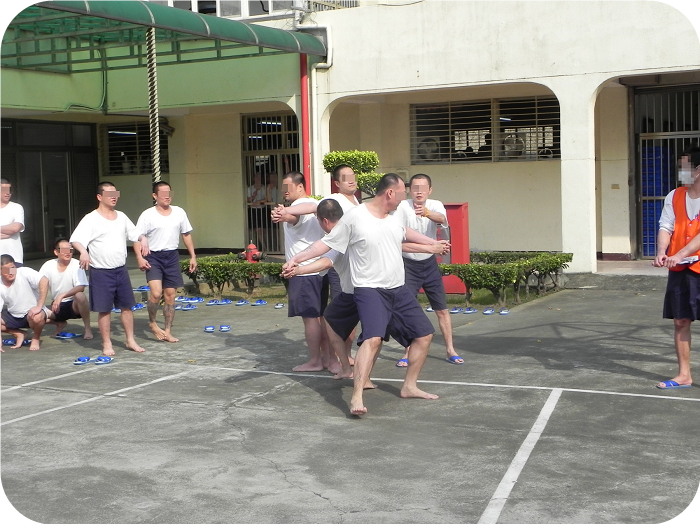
x=103 y=360
x=11 y=342
x=225 y=328
x=489 y=311
x=671 y=385
x=209 y=329
x=180 y=299
x=456 y=310
x=225 y=301
x=242 y=302
x=138 y=306
x=504 y=311
x=279 y=305
x=454 y=360
x=82 y=360
x=189 y=307
x=116 y=310
x=259 y=302
x=470 y=310
x=402 y=363
x=429 y=309
x=177 y=307
x=213 y=302
x=196 y=300
x=66 y=335
x=144 y=288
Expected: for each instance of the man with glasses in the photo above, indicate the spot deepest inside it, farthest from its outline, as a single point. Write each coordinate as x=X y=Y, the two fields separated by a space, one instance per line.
x=100 y=238
x=11 y=223
x=162 y=225
x=66 y=280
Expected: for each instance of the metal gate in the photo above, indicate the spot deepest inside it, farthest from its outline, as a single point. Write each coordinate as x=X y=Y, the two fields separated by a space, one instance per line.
x=667 y=122
x=270 y=149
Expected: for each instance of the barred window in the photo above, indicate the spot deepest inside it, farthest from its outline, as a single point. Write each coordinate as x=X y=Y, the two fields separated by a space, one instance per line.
x=127 y=149
x=494 y=130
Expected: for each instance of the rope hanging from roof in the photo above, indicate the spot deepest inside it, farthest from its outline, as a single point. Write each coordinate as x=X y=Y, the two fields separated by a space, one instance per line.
x=153 y=104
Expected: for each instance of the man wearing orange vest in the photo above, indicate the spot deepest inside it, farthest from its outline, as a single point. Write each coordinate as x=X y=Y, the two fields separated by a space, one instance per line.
x=679 y=226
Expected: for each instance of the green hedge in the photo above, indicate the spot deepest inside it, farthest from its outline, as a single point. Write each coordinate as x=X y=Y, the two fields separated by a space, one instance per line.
x=494 y=271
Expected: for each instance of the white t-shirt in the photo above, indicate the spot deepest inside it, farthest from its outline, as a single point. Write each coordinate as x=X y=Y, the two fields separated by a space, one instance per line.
x=23 y=294
x=299 y=236
x=373 y=247
x=667 y=220
x=163 y=231
x=61 y=282
x=407 y=216
x=105 y=240
x=343 y=201
x=12 y=213
x=341 y=264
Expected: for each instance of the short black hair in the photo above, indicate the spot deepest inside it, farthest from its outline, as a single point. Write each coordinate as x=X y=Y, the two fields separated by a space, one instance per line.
x=421 y=176
x=297 y=178
x=388 y=181
x=329 y=209
x=693 y=154
x=6 y=258
x=336 y=171
x=102 y=185
x=160 y=183
x=3 y=180
x=59 y=241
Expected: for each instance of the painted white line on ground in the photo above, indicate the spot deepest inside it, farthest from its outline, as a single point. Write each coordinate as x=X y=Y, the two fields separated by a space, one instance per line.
x=458 y=383
x=102 y=396
x=499 y=498
x=48 y=379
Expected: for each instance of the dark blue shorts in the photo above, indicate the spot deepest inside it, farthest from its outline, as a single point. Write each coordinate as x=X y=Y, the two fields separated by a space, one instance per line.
x=165 y=267
x=427 y=275
x=394 y=312
x=682 y=300
x=341 y=315
x=334 y=283
x=110 y=288
x=308 y=296
x=14 y=323
x=65 y=312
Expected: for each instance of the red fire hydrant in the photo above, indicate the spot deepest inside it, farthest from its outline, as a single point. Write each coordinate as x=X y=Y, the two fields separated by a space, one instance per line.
x=251 y=254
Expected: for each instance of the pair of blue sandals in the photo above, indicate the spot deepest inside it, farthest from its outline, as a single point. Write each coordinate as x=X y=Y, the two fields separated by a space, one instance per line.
x=222 y=328
x=185 y=307
x=101 y=360
x=472 y=310
x=259 y=302
x=137 y=306
x=217 y=302
x=11 y=342
x=183 y=299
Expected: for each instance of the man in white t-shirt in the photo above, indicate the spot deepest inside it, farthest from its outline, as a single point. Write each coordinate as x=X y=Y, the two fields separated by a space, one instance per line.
x=372 y=238
x=308 y=294
x=163 y=224
x=425 y=215
x=66 y=281
x=100 y=238
x=19 y=291
x=11 y=223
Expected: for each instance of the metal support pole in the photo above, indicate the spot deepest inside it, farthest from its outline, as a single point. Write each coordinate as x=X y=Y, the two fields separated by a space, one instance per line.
x=153 y=104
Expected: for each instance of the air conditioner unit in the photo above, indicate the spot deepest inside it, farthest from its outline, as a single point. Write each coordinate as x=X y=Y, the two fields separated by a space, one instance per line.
x=428 y=148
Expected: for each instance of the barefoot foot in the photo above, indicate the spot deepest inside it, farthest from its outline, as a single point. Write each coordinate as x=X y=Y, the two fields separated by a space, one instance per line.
x=35 y=345
x=134 y=347
x=157 y=331
x=407 y=392
x=309 y=366
x=88 y=334
x=344 y=374
x=357 y=407
x=19 y=339
x=108 y=350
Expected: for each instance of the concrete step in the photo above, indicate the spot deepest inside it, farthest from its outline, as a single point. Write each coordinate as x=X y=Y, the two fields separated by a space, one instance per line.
x=605 y=281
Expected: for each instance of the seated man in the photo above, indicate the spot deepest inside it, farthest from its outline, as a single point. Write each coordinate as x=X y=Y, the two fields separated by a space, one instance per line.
x=19 y=291
x=67 y=281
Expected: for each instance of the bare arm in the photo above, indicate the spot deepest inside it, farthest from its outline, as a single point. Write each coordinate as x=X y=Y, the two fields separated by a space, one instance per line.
x=56 y=304
x=419 y=238
x=43 y=290
x=662 y=242
x=84 y=255
x=140 y=260
x=317 y=266
x=315 y=250
x=187 y=241
x=281 y=214
x=10 y=229
x=689 y=249
x=438 y=247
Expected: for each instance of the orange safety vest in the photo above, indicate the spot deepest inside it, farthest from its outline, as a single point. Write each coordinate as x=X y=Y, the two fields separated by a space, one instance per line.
x=683 y=231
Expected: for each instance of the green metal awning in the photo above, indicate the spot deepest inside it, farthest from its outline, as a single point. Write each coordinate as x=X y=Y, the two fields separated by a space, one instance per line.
x=73 y=37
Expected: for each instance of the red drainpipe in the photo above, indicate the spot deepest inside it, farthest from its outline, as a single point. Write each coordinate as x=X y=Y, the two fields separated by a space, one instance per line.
x=305 y=145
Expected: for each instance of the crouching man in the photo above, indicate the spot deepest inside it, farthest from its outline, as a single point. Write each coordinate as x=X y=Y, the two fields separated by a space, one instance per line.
x=20 y=293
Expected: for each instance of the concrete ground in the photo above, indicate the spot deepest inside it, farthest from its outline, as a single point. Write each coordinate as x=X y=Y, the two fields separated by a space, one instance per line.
x=553 y=418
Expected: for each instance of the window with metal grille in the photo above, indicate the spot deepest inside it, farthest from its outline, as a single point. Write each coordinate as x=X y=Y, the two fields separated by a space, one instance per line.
x=127 y=149
x=493 y=130
x=257 y=8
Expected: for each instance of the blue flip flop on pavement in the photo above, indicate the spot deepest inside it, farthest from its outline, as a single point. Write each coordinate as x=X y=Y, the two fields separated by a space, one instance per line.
x=103 y=360
x=189 y=307
x=671 y=385
x=209 y=329
x=279 y=305
x=213 y=302
x=455 y=360
x=12 y=342
x=225 y=328
x=82 y=360
x=144 y=288
x=242 y=302
x=177 y=307
x=66 y=335
x=225 y=301
x=259 y=302
x=489 y=311
x=429 y=309
x=470 y=310
x=504 y=311
x=456 y=310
